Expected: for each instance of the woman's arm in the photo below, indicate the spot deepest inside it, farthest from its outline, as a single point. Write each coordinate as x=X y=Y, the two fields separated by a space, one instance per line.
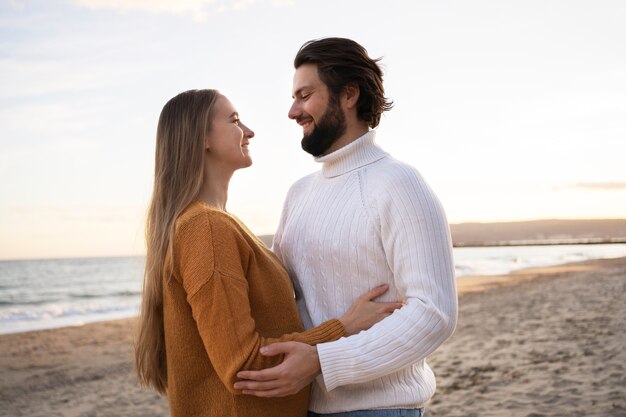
x=221 y=307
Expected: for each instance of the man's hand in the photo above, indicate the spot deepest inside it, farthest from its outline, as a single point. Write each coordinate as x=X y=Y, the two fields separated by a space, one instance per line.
x=299 y=368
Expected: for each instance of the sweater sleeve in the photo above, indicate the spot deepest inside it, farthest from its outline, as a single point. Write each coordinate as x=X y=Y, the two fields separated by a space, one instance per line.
x=220 y=304
x=416 y=240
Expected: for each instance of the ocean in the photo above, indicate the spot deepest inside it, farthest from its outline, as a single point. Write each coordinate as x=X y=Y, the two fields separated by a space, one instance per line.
x=49 y=293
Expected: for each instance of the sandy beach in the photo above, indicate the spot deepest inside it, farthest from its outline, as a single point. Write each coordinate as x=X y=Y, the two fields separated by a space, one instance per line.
x=542 y=342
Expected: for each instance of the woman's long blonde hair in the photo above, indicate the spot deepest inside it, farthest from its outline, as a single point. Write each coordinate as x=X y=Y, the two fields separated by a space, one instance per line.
x=178 y=174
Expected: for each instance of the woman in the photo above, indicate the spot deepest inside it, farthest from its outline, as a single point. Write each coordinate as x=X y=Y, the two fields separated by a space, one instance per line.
x=213 y=293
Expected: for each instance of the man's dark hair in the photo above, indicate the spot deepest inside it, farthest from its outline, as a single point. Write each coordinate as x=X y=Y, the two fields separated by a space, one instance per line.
x=341 y=62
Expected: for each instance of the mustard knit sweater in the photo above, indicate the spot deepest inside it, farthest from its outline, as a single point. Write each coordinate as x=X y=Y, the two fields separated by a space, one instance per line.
x=227 y=296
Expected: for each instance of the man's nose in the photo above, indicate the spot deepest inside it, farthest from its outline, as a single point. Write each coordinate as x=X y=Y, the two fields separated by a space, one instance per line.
x=294 y=111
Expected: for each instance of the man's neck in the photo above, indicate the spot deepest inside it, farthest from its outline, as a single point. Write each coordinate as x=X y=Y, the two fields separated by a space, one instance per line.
x=351 y=134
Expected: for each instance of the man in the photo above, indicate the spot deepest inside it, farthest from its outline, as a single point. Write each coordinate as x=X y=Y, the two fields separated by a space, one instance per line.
x=363 y=220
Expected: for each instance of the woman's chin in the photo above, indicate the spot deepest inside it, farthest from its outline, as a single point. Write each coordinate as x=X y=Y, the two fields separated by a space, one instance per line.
x=247 y=162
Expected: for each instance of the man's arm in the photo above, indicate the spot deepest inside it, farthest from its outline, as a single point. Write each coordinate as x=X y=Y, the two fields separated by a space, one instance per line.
x=416 y=240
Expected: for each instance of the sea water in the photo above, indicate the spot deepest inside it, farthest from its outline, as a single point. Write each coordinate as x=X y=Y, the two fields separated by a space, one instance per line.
x=41 y=294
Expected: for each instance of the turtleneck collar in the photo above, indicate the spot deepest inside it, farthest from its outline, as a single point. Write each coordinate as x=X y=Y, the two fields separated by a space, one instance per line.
x=361 y=152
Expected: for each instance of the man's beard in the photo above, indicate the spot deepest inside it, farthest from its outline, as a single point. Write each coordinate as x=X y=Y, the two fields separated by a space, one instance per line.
x=331 y=126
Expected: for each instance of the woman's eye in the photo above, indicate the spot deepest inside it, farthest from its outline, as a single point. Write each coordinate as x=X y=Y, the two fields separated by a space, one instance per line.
x=236 y=121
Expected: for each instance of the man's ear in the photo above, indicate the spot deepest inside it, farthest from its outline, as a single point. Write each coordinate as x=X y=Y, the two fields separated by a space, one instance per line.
x=350 y=95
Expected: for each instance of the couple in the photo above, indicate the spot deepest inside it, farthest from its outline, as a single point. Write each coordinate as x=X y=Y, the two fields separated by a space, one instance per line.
x=220 y=330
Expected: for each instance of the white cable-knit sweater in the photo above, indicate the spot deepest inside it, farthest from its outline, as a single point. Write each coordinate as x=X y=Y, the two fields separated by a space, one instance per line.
x=364 y=220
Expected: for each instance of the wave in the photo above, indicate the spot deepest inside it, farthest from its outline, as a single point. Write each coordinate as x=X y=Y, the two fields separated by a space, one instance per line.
x=28 y=303
x=27 y=318
x=57 y=293
x=59 y=311
x=124 y=293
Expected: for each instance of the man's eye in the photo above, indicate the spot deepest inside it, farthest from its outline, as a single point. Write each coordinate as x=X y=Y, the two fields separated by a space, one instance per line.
x=236 y=121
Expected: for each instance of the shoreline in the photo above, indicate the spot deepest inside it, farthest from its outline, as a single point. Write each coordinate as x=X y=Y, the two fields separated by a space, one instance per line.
x=267 y=239
x=477 y=283
x=545 y=242
x=536 y=342
x=44 y=316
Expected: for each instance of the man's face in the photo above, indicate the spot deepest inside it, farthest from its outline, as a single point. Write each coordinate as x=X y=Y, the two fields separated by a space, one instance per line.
x=317 y=110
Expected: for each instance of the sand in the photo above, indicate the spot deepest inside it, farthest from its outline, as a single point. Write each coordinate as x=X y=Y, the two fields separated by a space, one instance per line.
x=548 y=342
x=74 y=371
x=553 y=344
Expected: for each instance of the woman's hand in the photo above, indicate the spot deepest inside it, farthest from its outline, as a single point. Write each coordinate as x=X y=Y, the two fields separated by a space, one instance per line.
x=365 y=312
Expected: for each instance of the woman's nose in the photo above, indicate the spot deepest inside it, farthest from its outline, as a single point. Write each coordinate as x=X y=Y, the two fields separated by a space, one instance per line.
x=248 y=132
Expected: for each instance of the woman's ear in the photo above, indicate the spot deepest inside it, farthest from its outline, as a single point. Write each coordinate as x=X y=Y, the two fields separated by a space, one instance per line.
x=350 y=95
x=207 y=147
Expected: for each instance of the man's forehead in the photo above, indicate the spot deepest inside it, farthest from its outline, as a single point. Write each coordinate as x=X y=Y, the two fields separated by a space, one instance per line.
x=305 y=77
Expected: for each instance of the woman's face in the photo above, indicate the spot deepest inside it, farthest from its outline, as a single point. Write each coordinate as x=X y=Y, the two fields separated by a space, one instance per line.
x=229 y=138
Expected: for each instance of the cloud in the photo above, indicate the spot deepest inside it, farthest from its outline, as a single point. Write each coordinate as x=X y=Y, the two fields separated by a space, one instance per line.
x=198 y=9
x=17 y=5
x=75 y=213
x=600 y=186
x=283 y=3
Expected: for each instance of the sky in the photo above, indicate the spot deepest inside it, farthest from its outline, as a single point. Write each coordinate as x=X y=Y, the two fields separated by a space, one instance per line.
x=511 y=110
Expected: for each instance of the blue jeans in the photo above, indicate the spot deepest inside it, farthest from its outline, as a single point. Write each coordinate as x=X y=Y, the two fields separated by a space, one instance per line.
x=391 y=412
